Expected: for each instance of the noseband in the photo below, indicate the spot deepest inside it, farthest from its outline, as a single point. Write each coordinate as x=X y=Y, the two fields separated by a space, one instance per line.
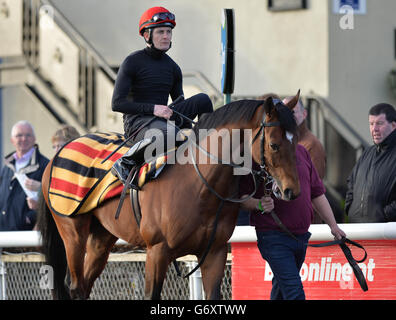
x=263 y=173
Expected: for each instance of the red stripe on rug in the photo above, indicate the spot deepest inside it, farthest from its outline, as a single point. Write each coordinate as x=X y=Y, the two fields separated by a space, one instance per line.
x=91 y=152
x=72 y=188
x=114 y=192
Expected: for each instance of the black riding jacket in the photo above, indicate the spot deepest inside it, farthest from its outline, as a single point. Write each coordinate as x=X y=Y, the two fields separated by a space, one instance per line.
x=145 y=78
x=371 y=195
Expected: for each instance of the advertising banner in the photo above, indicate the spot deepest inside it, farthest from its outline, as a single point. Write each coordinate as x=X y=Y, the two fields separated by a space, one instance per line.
x=326 y=274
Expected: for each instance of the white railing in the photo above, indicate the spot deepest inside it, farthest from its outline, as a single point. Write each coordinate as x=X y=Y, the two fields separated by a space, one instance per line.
x=320 y=232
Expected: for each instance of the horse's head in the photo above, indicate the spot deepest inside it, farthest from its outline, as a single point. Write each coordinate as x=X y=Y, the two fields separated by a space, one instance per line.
x=275 y=146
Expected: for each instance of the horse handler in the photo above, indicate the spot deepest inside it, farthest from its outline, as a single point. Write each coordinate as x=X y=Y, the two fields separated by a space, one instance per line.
x=286 y=254
x=144 y=82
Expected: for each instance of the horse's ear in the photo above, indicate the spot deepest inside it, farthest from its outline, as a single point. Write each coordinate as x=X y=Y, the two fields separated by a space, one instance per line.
x=293 y=102
x=268 y=105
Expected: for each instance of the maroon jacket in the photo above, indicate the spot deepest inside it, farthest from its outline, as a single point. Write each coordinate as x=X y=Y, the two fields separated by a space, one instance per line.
x=297 y=214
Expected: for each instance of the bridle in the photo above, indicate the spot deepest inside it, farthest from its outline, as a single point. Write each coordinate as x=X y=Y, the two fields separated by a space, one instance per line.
x=259 y=176
x=263 y=173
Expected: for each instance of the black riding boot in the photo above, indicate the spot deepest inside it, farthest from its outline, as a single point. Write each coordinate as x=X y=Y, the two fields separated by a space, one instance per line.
x=122 y=167
x=131 y=160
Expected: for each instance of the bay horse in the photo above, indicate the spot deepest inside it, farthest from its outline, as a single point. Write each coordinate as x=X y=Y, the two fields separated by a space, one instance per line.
x=179 y=210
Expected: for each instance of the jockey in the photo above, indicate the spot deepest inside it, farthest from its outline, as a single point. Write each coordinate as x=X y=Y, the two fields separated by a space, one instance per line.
x=144 y=82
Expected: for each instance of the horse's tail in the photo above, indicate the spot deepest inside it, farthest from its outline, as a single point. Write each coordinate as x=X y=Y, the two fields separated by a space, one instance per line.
x=53 y=249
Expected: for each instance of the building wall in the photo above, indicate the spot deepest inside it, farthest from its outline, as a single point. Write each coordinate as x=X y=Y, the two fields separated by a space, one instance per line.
x=360 y=60
x=273 y=50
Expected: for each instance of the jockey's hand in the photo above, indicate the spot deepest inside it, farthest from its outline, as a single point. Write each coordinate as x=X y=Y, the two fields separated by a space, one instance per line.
x=162 y=111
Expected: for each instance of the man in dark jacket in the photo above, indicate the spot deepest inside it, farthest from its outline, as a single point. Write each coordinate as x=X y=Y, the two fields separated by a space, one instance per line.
x=16 y=208
x=371 y=195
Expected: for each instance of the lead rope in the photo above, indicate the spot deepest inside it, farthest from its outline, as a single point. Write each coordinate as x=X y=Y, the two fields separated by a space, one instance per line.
x=342 y=242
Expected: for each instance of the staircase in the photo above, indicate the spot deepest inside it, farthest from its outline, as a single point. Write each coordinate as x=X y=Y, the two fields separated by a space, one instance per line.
x=54 y=62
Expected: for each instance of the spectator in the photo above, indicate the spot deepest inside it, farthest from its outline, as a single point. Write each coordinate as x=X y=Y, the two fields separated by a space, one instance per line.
x=64 y=134
x=371 y=194
x=26 y=165
x=284 y=254
x=307 y=139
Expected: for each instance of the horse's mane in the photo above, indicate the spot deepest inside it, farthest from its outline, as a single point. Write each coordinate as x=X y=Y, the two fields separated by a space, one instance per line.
x=243 y=111
x=236 y=111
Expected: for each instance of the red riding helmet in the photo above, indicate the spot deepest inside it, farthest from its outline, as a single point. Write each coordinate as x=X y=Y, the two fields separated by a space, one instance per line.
x=156 y=17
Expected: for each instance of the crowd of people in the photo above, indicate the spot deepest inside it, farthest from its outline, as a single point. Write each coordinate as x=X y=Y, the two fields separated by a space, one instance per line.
x=144 y=83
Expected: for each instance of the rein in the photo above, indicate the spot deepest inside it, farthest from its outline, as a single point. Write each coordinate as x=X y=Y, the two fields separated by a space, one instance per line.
x=261 y=174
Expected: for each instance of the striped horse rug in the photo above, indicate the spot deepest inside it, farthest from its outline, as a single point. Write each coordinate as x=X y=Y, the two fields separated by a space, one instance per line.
x=79 y=182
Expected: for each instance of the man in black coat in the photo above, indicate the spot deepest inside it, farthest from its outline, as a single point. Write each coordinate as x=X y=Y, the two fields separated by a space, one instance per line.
x=17 y=209
x=371 y=195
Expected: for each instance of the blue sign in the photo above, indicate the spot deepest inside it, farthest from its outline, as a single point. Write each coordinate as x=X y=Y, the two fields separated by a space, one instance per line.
x=355 y=4
x=358 y=6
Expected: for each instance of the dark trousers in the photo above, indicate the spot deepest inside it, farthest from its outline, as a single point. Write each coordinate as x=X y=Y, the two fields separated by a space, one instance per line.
x=191 y=108
x=285 y=257
x=159 y=129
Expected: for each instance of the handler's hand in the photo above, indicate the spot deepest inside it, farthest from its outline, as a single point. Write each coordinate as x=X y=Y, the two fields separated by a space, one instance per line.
x=337 y=232
x=267 y=203
x=162 y=111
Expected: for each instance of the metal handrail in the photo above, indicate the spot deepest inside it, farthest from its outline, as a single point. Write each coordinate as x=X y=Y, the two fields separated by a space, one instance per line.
x=338 y=122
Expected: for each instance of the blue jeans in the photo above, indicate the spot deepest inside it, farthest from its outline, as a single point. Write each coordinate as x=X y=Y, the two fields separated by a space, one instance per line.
x=285 y=257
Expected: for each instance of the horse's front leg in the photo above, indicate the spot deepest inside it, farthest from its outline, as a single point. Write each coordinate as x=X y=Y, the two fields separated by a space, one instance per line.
x=157 y=261
x=213 y=271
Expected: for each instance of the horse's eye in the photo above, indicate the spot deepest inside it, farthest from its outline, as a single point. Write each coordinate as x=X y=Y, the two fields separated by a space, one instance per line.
x=274 y=146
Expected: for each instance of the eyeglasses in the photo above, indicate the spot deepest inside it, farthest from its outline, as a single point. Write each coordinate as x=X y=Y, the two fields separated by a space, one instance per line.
x=161 y=16
x=20 y=135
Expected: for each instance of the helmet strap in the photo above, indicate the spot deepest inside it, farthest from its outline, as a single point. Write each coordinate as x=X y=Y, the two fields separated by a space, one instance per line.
x=150 y=39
